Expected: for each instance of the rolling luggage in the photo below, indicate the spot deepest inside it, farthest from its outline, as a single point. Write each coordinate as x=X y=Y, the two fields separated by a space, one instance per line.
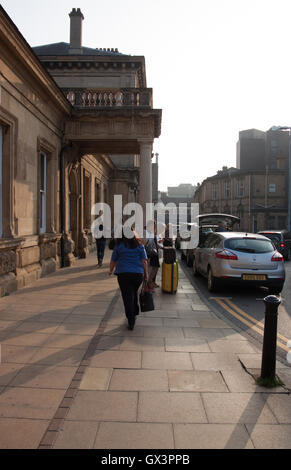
x=169 y=255
x=170 y=277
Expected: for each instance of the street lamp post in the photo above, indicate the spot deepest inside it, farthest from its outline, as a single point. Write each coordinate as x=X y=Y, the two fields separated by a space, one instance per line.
x=286 y=128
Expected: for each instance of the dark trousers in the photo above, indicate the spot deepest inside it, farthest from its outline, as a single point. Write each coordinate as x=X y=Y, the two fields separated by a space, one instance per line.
x=129 y=284
x=100 y=247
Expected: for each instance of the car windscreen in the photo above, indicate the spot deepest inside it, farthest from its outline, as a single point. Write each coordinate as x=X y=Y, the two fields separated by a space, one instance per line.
x=249 y=245
x=275 y=237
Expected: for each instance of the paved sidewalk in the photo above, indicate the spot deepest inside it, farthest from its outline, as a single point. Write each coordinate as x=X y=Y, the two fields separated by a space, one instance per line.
x=73 y=376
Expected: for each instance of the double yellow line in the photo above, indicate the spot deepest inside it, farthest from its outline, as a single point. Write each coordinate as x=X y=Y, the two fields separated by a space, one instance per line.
x=251 y=322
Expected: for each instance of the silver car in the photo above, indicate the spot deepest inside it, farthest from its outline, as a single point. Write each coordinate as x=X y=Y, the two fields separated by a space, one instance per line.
x=244 y=258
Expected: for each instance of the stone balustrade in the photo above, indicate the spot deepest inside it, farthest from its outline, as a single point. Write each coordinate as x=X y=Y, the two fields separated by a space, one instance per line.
x=101 y=98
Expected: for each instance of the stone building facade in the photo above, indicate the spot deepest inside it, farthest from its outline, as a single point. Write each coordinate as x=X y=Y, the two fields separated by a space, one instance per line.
x=258 y=197
x=76 y=127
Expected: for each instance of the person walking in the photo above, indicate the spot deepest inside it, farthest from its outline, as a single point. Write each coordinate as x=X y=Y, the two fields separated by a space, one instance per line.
x=100 y=246
x=129 y=260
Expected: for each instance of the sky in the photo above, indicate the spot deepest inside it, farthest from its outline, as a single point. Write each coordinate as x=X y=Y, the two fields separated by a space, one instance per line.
x=216 y=67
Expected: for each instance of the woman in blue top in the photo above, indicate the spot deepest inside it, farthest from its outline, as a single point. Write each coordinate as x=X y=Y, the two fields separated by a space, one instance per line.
x=130 y=262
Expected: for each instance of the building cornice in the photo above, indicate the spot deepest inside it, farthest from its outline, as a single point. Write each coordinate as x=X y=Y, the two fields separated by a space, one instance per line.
x=240 y=173
x=156 y=114
x=100 y=63
x=25 y=61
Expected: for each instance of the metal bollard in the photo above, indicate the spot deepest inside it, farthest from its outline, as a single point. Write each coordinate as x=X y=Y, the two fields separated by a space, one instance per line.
x=268 y=369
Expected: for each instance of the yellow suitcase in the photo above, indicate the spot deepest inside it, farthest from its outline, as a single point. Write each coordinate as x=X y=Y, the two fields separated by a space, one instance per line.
x=170 y=277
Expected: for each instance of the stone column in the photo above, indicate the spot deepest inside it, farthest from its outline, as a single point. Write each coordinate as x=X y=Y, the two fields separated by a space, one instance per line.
x=145 y=173
x=82 y=239
x=67 y=244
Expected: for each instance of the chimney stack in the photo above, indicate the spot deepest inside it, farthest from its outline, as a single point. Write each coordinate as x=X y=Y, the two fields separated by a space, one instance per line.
x=76 y=31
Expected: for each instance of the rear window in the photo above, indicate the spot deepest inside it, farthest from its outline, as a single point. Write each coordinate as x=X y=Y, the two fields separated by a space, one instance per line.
x=249 y=245
x=276 y=237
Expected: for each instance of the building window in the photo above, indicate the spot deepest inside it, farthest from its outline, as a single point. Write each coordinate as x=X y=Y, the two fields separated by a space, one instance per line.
x=240 y=211
x=272 y=188
x=214 y=192
x=240 y=188
x=274 y=147
x=227 y=190
x=87 y=201
x=271 y=222
x=255 y=224
x=43 y=191
x=281 y=222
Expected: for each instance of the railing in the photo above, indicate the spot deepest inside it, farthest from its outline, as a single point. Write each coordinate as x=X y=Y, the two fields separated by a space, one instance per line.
x=114 y=98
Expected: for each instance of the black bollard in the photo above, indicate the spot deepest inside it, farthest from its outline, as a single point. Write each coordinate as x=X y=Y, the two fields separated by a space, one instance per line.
x=268 y=370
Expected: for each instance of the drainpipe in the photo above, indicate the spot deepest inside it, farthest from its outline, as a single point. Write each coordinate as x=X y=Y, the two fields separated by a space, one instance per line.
x=62 y=201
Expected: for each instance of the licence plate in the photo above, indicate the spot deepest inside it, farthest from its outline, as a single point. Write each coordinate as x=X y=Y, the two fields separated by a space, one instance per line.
x=254 y=277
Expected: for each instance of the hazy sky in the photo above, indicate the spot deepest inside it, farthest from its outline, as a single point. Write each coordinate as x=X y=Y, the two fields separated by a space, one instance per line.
x=216 y=67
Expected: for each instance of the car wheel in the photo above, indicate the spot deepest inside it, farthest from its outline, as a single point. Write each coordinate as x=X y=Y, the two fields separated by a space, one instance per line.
x=195 y=272
x=211 y=281
x=189 y=261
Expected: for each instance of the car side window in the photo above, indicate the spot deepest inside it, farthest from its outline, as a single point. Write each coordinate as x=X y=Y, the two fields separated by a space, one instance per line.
x=215 y=242
x=212 y=241
x=207 y=242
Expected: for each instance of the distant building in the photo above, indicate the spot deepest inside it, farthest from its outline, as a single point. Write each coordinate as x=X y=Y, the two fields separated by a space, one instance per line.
x=257 y=190
x=178 y=195
x=258 y=197
x=250 y=154
x=257 y=150
x=181 y=191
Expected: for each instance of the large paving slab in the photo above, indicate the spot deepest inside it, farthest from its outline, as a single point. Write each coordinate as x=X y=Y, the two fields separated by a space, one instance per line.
x=76 y=435
x=268 y=436
x=138 y=380
x=34 y=403
x=212 y=436
x=96 y=378
x=187 y=345
x=17 y=354
x=134 y=436
x=244 y=408
x=280 y=405
x=215 y=361
x=171 y=407
x=196 y=381
x=166 y=360
x=16 y=433
x=231 y=346
x=143 y=344
x=116 y=359
x=104 y=406
x=56 y=356
x=38 y=376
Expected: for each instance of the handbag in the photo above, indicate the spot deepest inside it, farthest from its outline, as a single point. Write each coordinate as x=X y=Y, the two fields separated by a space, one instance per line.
x=151 y=249
x=146 y=300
